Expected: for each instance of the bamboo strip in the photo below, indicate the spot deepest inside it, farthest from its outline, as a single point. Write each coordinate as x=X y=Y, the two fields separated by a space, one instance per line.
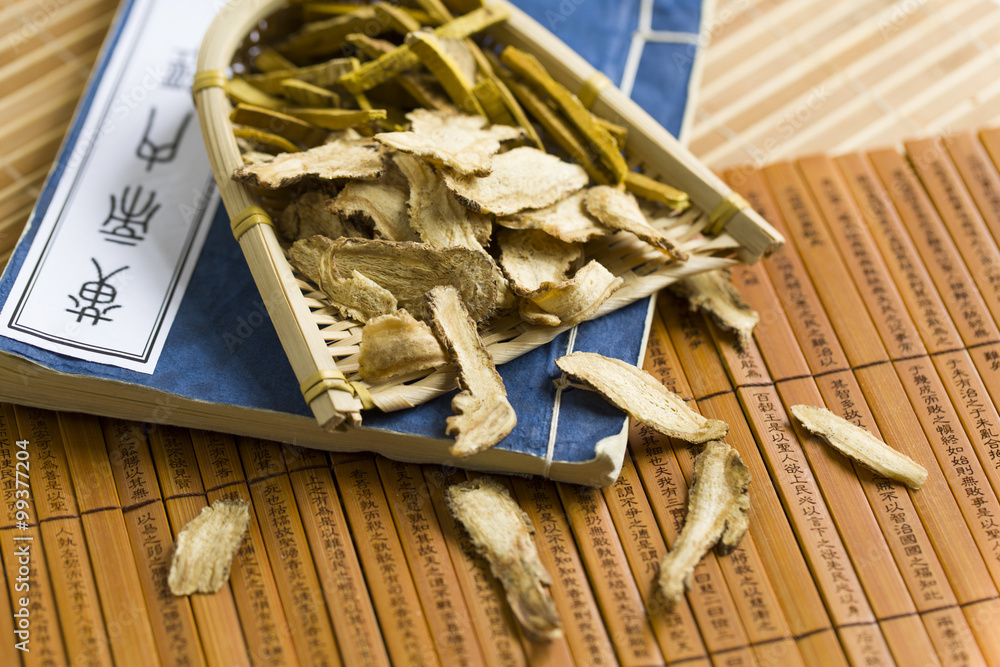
x=770 y=527
x=342 y=582
x=433 y=572
x=585 y=632
x=936 y=249
x=933 y=505
x=645 y=546
x=152 y=541
x=287 y=547
x=33 y=64
x=484 y=597
x=26 y=572
x=991 y=142
x=188 y=464
x=115 y=571
x=958 y=212
x=626 y=617
x=764 y=621
x=54 y=21
x=979 y=175
x=404 y=626
x=76 y=595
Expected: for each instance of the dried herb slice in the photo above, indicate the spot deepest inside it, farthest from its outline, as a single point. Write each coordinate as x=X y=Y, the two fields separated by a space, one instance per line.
x=714 y=293
x=396 y=345
x=533 y=260
x=859 y=444
x=618 y=209
x=578 y=298
x=521 y=178
x=458 y=141
x=566 y=220
x=501 y=532
x=483 y=415
x=640 y=395
x=407 y=270
x=308 y=216
x=435 y=215
x=341 y=158
x=651 y=189
x=380 y=203
x=206 y=546
x=718 y=503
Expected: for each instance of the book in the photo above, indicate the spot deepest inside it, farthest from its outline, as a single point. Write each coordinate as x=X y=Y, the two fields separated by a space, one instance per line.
x=206 y=356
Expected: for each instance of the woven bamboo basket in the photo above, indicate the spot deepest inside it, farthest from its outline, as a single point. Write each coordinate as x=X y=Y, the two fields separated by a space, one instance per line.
x=717 y=231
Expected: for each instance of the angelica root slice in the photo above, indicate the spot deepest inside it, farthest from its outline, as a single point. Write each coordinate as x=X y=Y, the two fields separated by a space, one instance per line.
x=717 y=515
x=642 y=396
x=859 y=444
x=483 y=416
x=501 y=532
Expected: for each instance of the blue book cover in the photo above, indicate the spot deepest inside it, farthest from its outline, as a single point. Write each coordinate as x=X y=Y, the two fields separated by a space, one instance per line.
x=198 y=348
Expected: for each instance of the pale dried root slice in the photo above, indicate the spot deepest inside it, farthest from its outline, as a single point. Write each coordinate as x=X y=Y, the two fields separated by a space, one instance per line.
x=859 y=444
x=619 y=210
x=434 y=213
x=532 y=314
x=714 y=293
x=576 y=299
x=640 y=395
x=533 y=260
x=483 y=416
x=206 y=546
x=718 y=503
x=567 y=220
x=381 y=203
x=457 y=141
x=521 y=178
x=407 y=270
x=501 y=532
x=338 y=159
x=308 y=216
x=396 y=345
x=352 y=293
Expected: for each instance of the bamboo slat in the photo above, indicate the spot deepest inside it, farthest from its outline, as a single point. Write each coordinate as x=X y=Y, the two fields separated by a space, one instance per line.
x=71 y=570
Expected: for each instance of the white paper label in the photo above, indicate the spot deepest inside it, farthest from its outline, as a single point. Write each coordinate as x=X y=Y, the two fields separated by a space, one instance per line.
x=116 y=247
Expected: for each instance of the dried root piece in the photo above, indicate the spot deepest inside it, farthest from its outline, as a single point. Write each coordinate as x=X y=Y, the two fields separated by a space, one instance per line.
x=324 y=74
x=308 y=216
x=578 y=298
x=521 y=178
x=640 y=395
x=396 y=345
x=338 y=159
x=501 y=532
x=295 y=130
x=859 y=444
x=407 y=270
x=265 y=140
x=435 y=215
x=483 y=416
x=206 y=546
x=532 y=314
x=601 y=142
x=713 y=292
x=619 y=210
x=446 y=70
x=717 y=515
x=380 y=203
x=457 y=141
x=651 y=189
x=567 y=220
x=533 y=260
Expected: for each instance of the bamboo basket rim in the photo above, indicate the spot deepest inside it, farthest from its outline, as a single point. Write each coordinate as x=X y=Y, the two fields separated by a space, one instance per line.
x=322 y=347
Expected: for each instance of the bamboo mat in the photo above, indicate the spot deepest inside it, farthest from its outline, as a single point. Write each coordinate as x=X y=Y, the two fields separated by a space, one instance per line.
x=781 y=79
x=883 y=307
